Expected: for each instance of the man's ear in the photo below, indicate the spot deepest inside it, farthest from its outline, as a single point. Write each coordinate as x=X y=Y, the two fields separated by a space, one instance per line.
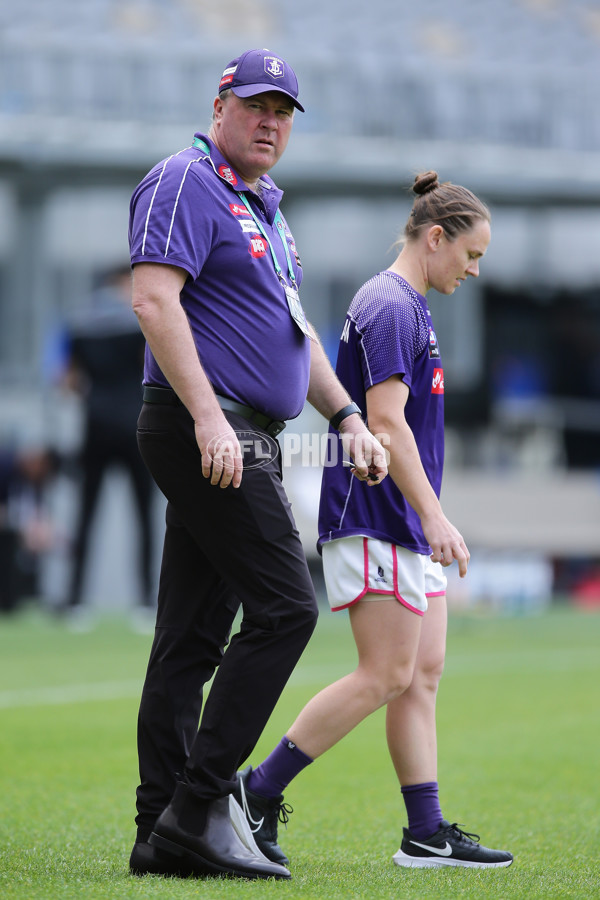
x=217 y=108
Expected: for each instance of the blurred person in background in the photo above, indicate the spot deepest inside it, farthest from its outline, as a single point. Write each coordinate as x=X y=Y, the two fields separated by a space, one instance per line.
x=229 y=353
x=26 y=528
x=384 y=551
x=105 y=353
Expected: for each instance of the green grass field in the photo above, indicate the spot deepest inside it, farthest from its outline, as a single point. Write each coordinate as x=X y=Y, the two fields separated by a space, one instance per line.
x=518 y=734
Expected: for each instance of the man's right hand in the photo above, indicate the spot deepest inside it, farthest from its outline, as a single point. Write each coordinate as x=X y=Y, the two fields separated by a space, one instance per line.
x=222 y=459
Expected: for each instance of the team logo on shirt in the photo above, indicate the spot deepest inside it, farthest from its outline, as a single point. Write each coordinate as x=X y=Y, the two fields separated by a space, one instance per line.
x=437 y=385
x=434 y=350
x=226 y=173
x=238 y=210
x=257 y=247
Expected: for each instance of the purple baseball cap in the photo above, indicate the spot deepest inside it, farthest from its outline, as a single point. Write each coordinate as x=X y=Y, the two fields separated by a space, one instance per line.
x=258 y=71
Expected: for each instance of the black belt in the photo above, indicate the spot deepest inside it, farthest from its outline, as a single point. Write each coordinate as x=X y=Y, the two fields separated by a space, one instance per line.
x=167 y=395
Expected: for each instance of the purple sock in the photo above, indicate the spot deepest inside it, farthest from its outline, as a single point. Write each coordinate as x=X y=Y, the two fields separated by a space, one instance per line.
x=271 y=778
x=423 y=808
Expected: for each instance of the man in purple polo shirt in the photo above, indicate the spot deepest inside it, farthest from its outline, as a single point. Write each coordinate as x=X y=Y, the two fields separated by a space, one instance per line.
x=229 y=357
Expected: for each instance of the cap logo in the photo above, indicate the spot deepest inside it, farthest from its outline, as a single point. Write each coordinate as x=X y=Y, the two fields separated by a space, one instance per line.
x=274 y=67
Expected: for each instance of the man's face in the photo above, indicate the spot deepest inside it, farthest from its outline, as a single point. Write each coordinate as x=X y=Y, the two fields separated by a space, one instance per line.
x=252 y=132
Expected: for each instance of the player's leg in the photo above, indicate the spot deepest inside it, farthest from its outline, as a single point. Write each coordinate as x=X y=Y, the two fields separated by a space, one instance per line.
x=411 y=725
x=359 y=574
x=411 y=732
x=387 y=637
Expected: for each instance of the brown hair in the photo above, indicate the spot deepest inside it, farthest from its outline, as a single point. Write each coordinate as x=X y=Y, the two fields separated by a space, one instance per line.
x=451 y=206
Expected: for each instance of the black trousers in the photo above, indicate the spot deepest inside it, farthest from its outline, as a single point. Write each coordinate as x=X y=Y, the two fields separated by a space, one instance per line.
x=223 y=548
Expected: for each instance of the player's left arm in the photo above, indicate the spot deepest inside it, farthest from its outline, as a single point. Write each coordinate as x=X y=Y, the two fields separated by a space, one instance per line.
x=328 y=396
x=386 y=402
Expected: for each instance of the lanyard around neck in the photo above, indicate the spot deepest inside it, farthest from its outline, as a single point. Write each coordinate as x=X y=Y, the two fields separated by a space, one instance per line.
x=278 y=220
x=281 y=231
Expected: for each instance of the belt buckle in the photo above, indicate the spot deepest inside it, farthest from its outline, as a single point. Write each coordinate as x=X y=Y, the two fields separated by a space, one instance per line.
x=275 y=428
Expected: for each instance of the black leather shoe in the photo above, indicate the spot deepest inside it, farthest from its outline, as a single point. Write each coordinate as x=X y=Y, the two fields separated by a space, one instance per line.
x=263 y=814
x=200 y=833
x=148 y=860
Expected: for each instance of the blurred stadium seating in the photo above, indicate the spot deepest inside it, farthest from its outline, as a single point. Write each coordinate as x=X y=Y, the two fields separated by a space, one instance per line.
x=518 y=73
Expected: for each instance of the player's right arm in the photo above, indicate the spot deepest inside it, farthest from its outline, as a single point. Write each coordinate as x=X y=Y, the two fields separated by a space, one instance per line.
x=385 y=411
x=156 y=302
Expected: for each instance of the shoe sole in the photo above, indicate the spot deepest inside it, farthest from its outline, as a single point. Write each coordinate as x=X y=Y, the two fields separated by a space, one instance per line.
x=202 y=866
x=437 y=862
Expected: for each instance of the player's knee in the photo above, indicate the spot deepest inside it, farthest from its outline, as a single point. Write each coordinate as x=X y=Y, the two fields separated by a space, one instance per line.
x=428 y=675
x=392 y=683
x=399 y=683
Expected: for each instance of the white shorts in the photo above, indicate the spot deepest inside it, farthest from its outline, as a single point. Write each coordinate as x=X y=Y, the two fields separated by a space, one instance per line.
x=357 y=565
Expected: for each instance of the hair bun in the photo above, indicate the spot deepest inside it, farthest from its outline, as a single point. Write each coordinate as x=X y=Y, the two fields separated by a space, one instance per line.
x=425 y=182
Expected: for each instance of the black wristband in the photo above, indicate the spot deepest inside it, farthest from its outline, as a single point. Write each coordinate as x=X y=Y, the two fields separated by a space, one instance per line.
x=339 y=417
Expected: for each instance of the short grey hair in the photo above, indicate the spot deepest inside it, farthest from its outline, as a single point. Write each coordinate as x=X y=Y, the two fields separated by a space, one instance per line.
x=223 y=95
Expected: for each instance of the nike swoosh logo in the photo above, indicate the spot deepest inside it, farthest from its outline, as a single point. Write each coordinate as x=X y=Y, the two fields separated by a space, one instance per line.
x=438 y=851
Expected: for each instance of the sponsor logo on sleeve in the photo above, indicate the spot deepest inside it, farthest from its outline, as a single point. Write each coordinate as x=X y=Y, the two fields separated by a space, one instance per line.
x=437 y=385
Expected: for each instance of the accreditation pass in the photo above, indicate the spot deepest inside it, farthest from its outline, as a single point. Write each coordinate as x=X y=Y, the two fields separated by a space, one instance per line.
x=296 y=311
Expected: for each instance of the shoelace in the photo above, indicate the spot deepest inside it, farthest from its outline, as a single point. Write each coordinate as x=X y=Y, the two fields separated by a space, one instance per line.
x=470 y=835
x=284 y=811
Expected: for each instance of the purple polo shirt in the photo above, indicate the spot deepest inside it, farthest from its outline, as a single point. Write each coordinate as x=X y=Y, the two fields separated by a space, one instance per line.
x=186 y=213
x=388 y=331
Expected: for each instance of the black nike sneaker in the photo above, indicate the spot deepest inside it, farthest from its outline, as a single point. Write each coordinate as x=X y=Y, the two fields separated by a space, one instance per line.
x=263 y=815
x=450 y=846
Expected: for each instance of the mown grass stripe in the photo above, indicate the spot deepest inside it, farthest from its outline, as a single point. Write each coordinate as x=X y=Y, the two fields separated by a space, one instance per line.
x=530 y=661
